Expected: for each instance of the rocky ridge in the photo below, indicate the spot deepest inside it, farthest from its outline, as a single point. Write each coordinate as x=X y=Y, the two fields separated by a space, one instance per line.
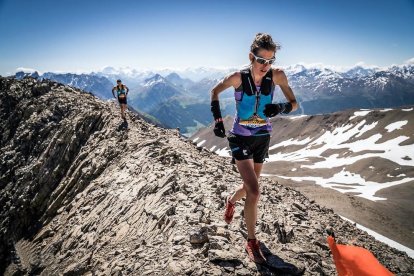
x=83 y=193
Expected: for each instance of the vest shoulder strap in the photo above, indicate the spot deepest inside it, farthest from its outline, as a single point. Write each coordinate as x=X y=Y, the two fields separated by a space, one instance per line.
x=267 y=83
x=248 y=83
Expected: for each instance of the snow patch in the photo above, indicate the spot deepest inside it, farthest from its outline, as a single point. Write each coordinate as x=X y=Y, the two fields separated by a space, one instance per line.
x=360 y=113
x=153 y=82
x=365 y=128
x=201 y=143
x=291 y=142
x=396 y=125
x=347 y=182
x=400 y=175
x=296 y=117
x=339 y=139
x=223 y=152
x=354 y=151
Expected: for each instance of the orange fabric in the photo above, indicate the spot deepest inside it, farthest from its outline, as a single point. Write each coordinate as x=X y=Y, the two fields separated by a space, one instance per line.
x=355 y=261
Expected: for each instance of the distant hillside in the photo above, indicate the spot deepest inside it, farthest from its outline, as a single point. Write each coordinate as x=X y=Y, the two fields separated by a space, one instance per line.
x=365 y=153
x=100 y=86
x=154 y=92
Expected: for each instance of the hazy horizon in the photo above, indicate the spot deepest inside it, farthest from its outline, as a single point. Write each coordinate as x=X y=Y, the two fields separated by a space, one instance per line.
x=126 y=69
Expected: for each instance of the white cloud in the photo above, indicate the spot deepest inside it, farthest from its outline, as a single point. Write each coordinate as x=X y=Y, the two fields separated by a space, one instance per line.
x=316 y=65
x=360 y=63
x=364 y=65
x=409 y=61
x=335 y=68
x=26 y=70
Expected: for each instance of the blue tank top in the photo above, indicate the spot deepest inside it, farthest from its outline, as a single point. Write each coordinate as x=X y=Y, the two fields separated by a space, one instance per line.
x=250 y=119
x=120 y=90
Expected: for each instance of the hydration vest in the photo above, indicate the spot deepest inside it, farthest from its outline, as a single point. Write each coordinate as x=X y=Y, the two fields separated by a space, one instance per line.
x=251 y=104
x=120 y=90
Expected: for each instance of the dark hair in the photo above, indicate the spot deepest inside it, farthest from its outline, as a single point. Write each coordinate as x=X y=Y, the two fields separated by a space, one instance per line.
x=263 y=41
x=118 y=81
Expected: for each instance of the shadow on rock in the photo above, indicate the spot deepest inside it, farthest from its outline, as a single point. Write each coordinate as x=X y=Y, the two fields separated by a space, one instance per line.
x=276 y=265
x=123 y=126
x=230 y=265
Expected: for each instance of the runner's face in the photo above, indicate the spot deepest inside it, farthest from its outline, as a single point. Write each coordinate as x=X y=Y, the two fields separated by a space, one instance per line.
x=261 y=69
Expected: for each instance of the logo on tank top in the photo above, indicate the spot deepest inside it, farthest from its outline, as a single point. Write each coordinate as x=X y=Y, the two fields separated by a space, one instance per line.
x=253 y=122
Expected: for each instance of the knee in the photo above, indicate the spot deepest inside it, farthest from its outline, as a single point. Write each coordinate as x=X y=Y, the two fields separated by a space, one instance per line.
x=253 y=192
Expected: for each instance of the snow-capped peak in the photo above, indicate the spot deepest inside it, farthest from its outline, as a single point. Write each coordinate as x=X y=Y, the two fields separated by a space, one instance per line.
x=157 y=78
x=295 y=69
x=21 y=74
x=360 y=71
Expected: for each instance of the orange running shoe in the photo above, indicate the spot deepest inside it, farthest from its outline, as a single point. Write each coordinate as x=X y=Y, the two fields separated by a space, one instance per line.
x=229 y=212
x=253 y=250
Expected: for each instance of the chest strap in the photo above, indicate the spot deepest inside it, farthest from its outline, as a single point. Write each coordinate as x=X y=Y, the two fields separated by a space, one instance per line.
x=250 y=88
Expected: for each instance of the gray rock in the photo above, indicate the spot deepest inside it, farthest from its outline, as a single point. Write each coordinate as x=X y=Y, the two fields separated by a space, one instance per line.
x=218 y=242
x=74 y=269
x=299 y=206
x=222 y=255
x=243 y=272
x=199 y=237
x=284 y=235
x=179 y=239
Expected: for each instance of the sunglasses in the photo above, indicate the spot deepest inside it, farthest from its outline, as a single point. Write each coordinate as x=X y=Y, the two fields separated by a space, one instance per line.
x=263 y=60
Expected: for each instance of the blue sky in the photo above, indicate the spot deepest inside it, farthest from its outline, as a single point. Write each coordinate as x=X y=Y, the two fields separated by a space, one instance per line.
x=81 y=35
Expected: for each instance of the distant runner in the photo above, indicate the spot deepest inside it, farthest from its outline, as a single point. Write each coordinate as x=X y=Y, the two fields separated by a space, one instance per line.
x=122 y=92
x=250 y=135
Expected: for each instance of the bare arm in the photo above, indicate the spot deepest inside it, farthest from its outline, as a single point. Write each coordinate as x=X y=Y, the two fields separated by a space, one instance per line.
x=113 y=89
x=233 y=79
x=280 y=79
x=127 y=89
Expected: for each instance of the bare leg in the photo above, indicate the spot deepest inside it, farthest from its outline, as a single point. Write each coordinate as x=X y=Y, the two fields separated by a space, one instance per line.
x=251 y=187
x=123 y=110
x=241 y=192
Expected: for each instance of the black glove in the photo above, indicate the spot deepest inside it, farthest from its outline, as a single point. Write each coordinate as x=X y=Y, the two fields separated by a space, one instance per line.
x=219 y=129
x=272 y=110
x=215 y=109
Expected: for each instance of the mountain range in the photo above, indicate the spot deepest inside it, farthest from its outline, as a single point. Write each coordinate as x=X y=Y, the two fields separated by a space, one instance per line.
x=180 y=98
